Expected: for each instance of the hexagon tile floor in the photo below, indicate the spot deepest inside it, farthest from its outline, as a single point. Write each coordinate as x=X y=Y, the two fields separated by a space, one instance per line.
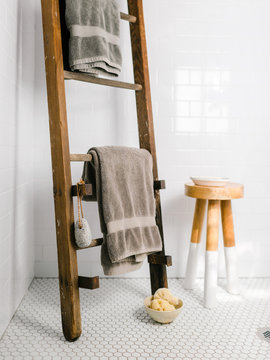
x=116 y=326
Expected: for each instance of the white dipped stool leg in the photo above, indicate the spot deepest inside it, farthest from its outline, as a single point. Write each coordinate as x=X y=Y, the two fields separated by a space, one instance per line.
x=211 y=256
x=231 y=270
x=194 y=248
x=229 y=248
x=192 y=266
x=210 y=279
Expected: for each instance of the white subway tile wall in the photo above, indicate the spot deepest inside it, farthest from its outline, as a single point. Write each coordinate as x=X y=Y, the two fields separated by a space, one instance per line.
x=17 y=72
x=210 y=80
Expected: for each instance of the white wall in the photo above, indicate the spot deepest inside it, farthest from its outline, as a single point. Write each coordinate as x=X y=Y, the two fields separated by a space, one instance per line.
x=210 y=75
x=17 y=73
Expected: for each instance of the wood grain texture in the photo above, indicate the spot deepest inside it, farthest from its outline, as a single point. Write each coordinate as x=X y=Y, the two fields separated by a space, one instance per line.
x=198 y=221
x=67 y=259
x=158 y=273
x=88 y=282
x=80 y=157
x=228 y=192
x=213 y=214
x=160 y=259
x=227 y=223
x=70 y=75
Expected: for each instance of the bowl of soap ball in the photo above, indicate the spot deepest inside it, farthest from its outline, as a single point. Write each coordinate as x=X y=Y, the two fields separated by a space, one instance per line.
x=163 y=307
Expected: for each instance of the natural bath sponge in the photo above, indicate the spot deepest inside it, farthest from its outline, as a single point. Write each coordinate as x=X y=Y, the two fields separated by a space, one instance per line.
x=161 y=305
x=165 y=294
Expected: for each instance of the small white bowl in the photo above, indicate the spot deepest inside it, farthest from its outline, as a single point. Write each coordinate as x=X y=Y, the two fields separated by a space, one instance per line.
x=163 y=317
x=209 y=181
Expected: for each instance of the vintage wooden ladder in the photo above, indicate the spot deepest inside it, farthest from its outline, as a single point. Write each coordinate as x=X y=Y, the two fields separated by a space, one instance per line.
x=57 y=70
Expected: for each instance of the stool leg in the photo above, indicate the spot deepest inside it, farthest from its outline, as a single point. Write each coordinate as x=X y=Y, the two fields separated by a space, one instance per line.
x=229 y=247
x=192 y=264
x=211 y=255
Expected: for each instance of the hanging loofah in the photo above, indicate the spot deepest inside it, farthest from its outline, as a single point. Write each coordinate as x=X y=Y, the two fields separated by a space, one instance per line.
x=83 y=235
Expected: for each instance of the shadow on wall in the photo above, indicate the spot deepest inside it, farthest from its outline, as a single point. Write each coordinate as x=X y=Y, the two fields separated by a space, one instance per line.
x=17 y=84
x=22 y=186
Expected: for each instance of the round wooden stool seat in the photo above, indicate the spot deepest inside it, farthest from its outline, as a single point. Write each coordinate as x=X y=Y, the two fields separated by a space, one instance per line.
x=228 y=192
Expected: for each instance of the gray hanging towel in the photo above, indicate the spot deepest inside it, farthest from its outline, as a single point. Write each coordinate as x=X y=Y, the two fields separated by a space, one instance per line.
x=123 y=180
x=94 y=44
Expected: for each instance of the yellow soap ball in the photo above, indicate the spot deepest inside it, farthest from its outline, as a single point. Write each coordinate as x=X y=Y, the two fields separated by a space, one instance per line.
x=161 y=305
x=165 y=294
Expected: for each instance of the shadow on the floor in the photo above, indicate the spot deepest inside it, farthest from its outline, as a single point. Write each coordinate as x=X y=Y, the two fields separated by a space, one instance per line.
x=197 y=294
x=39 y=327
x=141 y=315
x=137 y=289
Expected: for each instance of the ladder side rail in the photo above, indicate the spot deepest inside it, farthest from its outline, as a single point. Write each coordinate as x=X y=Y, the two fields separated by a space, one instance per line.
x=158 y=272
x=64 y=218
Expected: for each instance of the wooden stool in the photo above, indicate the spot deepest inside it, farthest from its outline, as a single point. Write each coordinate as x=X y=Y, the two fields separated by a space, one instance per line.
x=218 y=197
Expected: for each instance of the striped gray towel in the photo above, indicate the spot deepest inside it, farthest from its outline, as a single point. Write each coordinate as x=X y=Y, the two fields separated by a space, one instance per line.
x=94 y=44
x=123 y=181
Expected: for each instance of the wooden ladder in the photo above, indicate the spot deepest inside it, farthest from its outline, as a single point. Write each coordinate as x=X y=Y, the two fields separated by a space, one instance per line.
x=57 y=70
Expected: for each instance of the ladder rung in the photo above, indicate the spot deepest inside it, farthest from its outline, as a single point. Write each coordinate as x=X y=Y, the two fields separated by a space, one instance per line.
x=159 y=184
x=70 y=75
x=94 y=243
x=88 y=282
x=87 y=189
x=80 y=157
x=160 y=259
x=84 y=189
x=127 y=17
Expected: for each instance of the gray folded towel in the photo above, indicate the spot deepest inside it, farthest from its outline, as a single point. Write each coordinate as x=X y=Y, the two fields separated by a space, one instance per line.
x=94 y=44
x=123 y=181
